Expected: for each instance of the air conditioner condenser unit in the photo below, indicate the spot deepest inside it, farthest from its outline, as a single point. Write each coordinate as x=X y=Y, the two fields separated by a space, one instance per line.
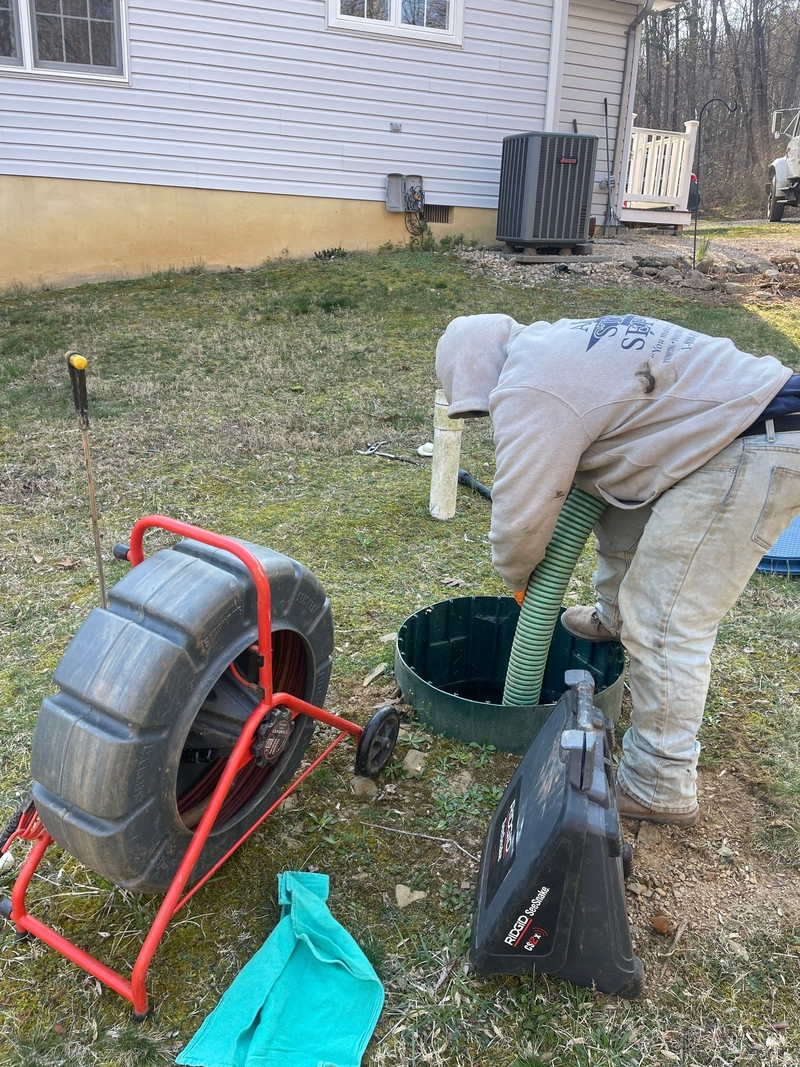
x=546 y=184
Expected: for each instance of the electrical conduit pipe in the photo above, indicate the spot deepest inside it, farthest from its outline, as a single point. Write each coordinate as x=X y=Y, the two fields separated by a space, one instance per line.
x=544 y=595
x=445 y=460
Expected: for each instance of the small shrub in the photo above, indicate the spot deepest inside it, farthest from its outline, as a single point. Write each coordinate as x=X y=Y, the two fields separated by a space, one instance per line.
x=331 y=253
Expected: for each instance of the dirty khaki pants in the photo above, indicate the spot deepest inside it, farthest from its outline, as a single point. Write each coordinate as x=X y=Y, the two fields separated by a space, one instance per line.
x=666 y=575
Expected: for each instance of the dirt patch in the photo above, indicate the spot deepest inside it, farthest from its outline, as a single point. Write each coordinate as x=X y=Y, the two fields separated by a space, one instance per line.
x=714 y=881
x=713 y=878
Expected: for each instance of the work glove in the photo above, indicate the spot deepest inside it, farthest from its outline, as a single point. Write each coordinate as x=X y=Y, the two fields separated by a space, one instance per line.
x=520 y=596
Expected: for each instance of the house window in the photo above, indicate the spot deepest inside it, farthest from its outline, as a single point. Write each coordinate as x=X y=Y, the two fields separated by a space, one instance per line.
x=428 y=20
x=9 y=38
x=80 y=33
x=433 y=14
x=64 y=37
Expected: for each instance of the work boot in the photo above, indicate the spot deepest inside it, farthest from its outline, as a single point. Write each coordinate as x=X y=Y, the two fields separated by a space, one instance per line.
x=631 y=809
x=584 y=622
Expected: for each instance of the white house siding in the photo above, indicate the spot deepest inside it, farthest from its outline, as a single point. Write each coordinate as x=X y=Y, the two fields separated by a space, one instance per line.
x=594 y=59
x=259 y=96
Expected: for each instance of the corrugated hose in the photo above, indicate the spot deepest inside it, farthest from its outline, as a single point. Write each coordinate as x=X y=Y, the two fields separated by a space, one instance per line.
x=544 y=596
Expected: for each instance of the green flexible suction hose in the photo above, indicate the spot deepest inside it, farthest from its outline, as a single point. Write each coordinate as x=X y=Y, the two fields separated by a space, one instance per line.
x=544 y=596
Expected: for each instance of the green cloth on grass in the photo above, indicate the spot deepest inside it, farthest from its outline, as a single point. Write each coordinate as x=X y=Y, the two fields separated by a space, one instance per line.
x=308 y=998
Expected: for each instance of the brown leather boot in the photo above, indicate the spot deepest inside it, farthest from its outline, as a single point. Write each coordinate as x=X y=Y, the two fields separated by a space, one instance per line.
x=583 y=622
x=631 y=809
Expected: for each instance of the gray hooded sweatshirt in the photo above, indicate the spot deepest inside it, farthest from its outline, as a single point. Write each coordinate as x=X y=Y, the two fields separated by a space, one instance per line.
x=624 y=406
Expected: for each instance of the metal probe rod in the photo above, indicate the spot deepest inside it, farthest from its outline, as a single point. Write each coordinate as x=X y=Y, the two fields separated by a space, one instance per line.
x=77 y=373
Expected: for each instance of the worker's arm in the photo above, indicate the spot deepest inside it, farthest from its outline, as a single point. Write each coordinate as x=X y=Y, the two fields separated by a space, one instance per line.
x=539 y=441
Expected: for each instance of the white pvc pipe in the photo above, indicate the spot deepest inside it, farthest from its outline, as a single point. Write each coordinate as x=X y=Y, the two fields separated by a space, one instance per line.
x=445 y=460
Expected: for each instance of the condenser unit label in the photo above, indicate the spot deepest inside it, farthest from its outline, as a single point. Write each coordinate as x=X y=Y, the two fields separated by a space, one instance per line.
x=503 y=843
x=565 y=160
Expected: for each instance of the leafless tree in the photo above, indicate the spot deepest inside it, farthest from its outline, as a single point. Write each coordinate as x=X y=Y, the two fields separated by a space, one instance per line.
x=742 y=50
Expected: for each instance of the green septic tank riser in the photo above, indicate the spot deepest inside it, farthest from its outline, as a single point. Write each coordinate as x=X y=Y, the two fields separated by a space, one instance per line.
x=451 y=664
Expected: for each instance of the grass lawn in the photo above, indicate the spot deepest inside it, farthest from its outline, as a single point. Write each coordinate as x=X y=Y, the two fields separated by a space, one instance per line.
x=238 y=401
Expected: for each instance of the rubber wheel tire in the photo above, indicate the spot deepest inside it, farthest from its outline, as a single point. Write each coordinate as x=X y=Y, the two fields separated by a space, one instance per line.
x=774 y=207
x=146 y=690
x=376 y=744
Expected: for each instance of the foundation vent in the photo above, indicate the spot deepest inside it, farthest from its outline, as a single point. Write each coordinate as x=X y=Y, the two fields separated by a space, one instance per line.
x=438 y=213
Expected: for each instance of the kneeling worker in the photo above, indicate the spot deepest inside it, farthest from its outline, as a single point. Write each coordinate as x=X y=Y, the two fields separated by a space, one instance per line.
x=695 y=446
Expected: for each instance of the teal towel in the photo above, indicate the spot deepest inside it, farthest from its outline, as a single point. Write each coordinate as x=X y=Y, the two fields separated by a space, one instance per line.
x=308 y=998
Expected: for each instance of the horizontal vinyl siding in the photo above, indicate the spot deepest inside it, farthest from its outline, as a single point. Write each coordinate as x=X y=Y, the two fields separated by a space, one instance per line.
x=594 y=61
x=262 y=97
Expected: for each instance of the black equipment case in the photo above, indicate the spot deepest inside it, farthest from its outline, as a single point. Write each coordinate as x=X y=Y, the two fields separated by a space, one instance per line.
x=551 y=889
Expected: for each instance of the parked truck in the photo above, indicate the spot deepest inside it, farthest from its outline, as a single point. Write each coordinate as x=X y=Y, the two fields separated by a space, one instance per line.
x=783 y=179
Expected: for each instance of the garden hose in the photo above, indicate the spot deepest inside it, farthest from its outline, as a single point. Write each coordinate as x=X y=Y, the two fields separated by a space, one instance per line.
x=544 y=595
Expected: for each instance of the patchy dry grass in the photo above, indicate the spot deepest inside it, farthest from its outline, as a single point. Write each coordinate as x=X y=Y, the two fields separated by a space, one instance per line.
x=238 y=401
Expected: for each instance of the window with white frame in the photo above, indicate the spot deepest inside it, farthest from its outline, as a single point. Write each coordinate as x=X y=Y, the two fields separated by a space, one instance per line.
x=82 y=37
x=9 y=35
x=432 y=20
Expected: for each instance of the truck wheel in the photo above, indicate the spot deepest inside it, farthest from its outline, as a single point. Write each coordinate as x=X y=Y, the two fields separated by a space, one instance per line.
x=127 y=753
x=774 y=206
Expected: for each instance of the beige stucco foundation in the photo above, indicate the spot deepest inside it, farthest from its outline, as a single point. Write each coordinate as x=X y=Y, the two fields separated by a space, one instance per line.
x=60 y=232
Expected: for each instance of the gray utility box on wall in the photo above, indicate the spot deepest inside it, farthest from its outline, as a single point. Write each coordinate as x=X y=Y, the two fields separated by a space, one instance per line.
x=546 y=184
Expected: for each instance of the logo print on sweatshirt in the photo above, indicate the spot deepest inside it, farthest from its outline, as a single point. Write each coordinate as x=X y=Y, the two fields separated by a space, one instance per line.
x=633 y=328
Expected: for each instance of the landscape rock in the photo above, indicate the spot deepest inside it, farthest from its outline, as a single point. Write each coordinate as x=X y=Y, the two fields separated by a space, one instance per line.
x=696 y=280
x=655 y=261
x=738 y=950
x=363 y=787
x=636 y=888
x=374 y=674
x=460 y=783
x=772 y=273
x=661 y=924
x=735 y=288
x=669 y=274
x=404 y=895
x=649 y=835
x=414 y=763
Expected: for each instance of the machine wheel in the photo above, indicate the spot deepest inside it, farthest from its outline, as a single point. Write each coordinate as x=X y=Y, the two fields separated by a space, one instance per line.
x=127 y=753
x=774 y=206
x=376 y=744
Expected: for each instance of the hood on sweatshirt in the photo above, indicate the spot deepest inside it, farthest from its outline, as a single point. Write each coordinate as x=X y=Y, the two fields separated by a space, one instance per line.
x=469 y=359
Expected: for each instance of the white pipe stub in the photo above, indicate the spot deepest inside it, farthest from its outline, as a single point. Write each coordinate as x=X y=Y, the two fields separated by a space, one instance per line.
x=445 y=460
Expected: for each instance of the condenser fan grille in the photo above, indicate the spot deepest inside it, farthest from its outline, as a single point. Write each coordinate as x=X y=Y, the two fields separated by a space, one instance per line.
x=546 y=183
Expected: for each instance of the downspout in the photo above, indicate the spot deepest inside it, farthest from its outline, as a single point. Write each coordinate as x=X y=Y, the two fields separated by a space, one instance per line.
x=622 y=135
x=558 y=33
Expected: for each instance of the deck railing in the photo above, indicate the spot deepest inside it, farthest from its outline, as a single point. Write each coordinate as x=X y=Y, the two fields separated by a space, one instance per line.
x=659 y=168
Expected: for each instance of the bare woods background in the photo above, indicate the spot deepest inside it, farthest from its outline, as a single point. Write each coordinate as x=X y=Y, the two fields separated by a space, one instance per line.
x=742 y=50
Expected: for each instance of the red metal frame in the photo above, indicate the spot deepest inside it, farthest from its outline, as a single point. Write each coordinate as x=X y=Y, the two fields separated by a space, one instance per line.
x=135 y=989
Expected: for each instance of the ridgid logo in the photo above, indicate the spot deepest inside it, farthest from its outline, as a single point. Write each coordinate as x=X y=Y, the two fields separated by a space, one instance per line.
x=522 y=926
